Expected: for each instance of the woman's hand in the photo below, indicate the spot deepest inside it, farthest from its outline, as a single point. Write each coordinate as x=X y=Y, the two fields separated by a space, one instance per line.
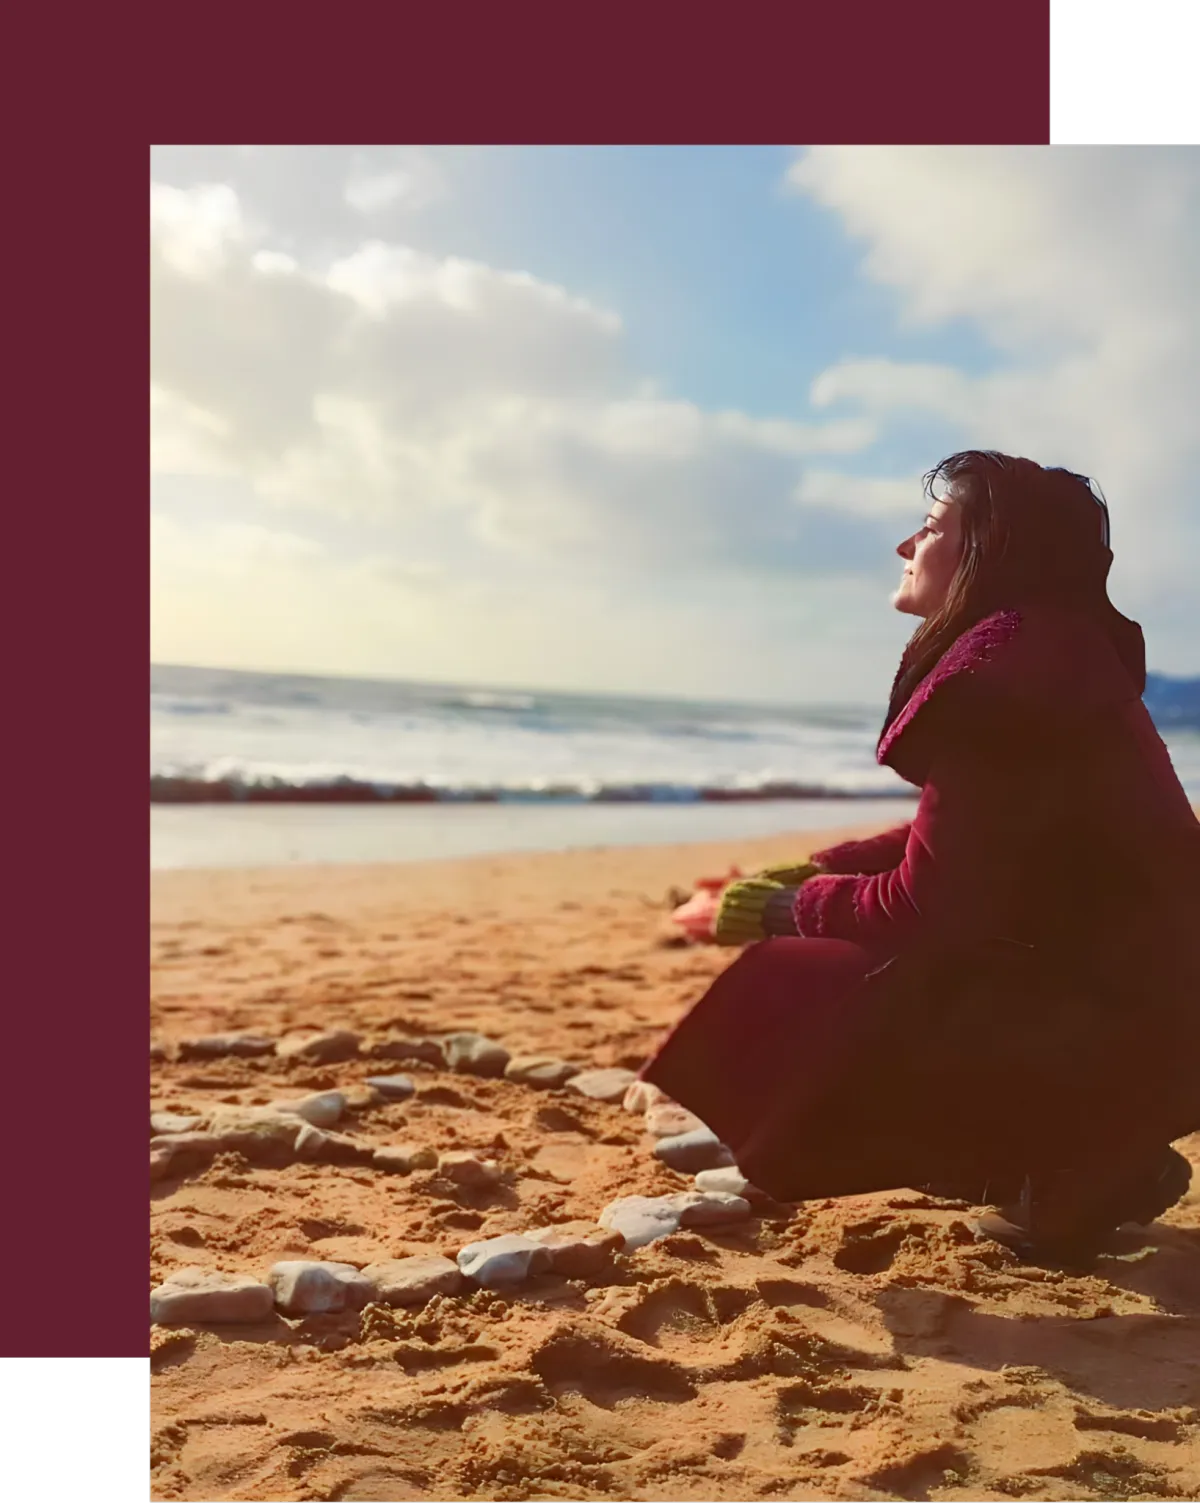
x=698 y=915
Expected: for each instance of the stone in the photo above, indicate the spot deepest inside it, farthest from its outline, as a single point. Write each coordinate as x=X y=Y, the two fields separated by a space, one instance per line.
x=427 y=1050
x=360 y=1097
x=668 y=1120
x=642 y=1219
x=236 y=1114
x=413 y=1281
x=321 y=1109
x=714 y=1208
x=309 y=1288
x=472 y=1054
x=319 y=1146
x=248 y=1132
x=728 y=1180
x=692 y=1151
x=193 y=1145
x=239 y=1126
x=392 y=1087
x=165 y=1122
x=610 y=1085
x=500 y=1261
x=392 y=1160
x=466 y=1169
x=160 y=1163
x=578 y=1249
x=543 y=1071
x=423 y=1157
x=202 y=1296
x=159 y=1053
x=641 y=1096
x=310 y=1142
x=328 y=1048
x=221 y=1045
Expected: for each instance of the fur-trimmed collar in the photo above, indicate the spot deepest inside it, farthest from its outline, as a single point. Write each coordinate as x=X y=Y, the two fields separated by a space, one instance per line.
x=1039 y=670
x=966 y=654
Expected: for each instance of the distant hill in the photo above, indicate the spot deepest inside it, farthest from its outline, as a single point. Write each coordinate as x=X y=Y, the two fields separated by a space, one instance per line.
x=1173 y=702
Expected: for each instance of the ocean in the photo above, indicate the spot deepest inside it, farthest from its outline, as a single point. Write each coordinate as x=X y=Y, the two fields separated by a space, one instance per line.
x=251 y=769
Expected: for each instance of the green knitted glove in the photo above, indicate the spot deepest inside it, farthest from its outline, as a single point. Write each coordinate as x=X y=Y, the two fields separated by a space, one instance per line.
x=739 y=918
x=791 y=876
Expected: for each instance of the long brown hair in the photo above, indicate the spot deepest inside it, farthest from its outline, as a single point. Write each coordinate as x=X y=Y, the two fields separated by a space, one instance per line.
x=1029 y=534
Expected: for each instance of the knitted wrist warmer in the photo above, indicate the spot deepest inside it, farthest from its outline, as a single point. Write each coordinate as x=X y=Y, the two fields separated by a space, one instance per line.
x=779 y=912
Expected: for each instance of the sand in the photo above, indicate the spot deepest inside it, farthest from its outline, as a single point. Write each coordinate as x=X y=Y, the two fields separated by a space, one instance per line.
x=866 y=1348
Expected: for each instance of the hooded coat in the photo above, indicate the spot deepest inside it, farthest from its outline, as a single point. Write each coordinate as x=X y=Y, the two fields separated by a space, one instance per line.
x=1010 y=985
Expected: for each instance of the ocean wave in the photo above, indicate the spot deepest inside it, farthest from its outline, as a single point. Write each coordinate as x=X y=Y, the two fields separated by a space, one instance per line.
x=192 y=706
x=170 y=789
x=481 y=699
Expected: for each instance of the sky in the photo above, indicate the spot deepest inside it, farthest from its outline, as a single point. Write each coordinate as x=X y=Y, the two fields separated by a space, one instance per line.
x=646 y=419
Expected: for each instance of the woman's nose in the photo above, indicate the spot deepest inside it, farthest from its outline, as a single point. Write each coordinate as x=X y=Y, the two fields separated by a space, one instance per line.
x=905 y=549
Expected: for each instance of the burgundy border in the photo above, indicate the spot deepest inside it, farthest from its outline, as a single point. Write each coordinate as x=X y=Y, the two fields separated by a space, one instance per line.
x=76 y=1034
x=800 y=72
x=76 y=724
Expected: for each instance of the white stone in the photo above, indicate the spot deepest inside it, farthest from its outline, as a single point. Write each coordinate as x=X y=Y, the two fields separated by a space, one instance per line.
x=503 y=1260
x=610 y=1085
x=392 y=1087
x=691 y=1151
x=472 y=1054
x=667 y=1119
x=321 y=1048
x=578 y=1249
x=203 y=1296
x=642 y=1219
x=322 y=1109
x=543 y=1071
x=311 y=1288
x=714 y=1208
x=729 y=1180
x=413 y=1281
x=466 y=1169
x=641 y=1096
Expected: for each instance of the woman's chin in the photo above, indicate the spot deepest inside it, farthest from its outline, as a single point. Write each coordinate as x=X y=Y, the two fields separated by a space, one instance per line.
x=902 y=601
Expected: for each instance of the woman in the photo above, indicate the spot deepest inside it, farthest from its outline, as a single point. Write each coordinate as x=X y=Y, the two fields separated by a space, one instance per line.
x=1000 y=1001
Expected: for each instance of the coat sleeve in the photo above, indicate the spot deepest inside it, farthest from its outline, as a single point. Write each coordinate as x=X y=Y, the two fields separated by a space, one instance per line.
x=975 y=832
x=878 y=853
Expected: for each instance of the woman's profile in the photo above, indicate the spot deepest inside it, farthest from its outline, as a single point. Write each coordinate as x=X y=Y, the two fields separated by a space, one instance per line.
x=999 y=1002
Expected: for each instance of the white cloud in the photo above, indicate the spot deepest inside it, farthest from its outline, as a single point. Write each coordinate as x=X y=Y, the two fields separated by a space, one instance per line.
x=406 y=178
x=881 y=496
x=195 y=231
x=1078 y=265
x=269 y=261
x=395 y=383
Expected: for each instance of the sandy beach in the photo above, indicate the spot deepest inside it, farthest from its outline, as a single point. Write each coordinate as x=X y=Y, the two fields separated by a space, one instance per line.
x=865 y=1349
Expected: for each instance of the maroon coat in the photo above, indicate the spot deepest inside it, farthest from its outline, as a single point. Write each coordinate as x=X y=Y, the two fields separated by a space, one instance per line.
x=1008 y=986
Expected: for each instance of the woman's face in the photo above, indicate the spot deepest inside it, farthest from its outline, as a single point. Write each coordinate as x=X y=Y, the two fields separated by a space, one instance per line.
x=930 y=559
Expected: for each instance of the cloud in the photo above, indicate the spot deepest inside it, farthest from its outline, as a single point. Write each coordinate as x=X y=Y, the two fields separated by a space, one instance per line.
x=876 y=496
x=1078 y=266
x=315 y=201
x=393 y=384
x=194 y=232
x=411 y=180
